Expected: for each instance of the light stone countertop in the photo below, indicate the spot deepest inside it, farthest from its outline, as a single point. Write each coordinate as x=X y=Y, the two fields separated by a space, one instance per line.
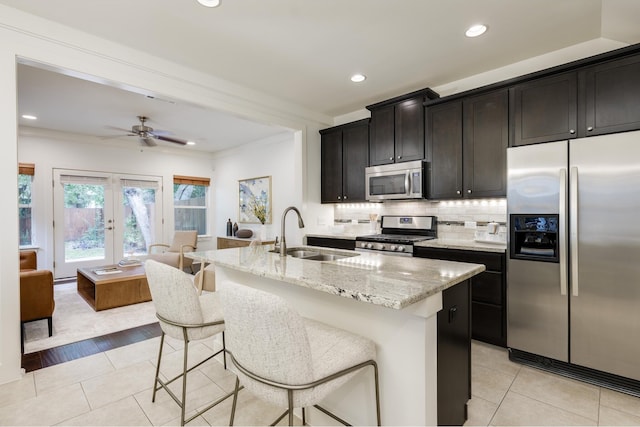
x=391 y=281
x=469 y=245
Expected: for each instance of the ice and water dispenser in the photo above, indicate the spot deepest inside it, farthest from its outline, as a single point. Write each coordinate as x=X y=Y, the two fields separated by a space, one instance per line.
x=534 y=237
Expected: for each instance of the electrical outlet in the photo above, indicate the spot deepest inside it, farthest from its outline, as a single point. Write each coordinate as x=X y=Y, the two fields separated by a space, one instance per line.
x=470 y=224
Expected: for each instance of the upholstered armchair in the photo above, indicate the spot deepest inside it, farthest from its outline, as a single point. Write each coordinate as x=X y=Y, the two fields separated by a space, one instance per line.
x=28 y=260
x=36 y=293
x=173 y=254
x=205 y=279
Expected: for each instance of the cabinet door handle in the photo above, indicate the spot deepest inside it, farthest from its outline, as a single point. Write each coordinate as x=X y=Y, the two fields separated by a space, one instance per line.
x=344 y=197
x=458 y=192
x=572 y=131
x=453 y=311
x=469 y=191
x=590 y=128
x=391 y=158
x=339 y=198
x=399 y=157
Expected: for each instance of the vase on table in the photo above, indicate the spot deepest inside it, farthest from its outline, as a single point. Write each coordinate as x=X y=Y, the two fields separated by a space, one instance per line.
x=263 y=232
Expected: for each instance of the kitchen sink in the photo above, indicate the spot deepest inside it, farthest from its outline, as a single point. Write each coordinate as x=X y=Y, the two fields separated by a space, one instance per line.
x=301 y=253
x=326 y=257
x=316 y=255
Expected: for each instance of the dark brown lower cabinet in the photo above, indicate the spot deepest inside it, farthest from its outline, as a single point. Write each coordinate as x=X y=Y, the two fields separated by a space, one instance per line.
x=329 y=242
x=454 y=355
x=488 y=291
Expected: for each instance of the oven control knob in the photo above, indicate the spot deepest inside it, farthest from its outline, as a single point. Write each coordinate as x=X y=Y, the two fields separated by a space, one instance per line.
x=392 y=248
x=400 y=248
x=363 y=245
x=369 y=245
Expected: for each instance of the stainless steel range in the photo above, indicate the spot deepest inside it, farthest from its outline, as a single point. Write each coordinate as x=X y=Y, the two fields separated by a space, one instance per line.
x=399 y=234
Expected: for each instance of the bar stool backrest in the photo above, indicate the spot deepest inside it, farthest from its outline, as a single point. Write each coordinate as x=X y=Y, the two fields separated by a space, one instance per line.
x=174 y=297
x=266 y=335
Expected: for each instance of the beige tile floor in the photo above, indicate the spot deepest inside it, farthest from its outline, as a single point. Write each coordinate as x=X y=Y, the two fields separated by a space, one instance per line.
x=506 y=393
x=114 y=388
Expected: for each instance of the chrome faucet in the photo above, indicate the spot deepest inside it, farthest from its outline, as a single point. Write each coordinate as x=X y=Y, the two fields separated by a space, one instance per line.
x=283 y=242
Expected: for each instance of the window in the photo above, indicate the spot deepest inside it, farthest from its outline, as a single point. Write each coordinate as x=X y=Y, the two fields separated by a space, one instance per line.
x=25 y=178
x=190 y=203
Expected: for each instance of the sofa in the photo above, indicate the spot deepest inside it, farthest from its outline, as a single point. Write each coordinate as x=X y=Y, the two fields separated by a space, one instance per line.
x=36 y=293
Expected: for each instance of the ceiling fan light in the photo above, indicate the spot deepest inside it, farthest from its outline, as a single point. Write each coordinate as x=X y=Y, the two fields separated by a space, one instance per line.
x=191 y=143
x=357 y=78
x=209 y=3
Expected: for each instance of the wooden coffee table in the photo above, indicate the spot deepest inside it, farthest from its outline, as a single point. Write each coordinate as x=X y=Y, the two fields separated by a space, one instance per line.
x=125 y=287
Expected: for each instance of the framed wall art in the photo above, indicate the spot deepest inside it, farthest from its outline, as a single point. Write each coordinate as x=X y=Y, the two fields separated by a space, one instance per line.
x=254 y=195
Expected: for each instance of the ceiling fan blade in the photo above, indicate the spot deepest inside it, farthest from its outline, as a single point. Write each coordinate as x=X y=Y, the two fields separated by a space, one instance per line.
x=120 y=129
x=170 y=139
x=148 y=141
x=113 y=136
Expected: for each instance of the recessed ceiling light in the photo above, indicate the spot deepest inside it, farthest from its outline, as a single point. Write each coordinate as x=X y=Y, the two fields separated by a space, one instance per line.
x=29 y=117
x=209 y=3
x=191 y=143
x=357 y=78
x=476 y=30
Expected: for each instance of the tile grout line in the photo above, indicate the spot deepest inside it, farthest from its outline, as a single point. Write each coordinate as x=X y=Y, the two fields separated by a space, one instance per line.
x=505 y=395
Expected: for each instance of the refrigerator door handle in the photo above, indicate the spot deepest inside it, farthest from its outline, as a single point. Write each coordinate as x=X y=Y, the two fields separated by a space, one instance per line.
x=562 y=245
x=573 y=234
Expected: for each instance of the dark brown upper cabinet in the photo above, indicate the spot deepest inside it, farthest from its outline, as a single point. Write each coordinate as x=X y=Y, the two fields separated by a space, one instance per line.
x=397 y=128
x=544 y=110
x=344 y=157
x=486 y=137
x=444 y=149
x=609 y=97
x=466 y=143
x=593 y=100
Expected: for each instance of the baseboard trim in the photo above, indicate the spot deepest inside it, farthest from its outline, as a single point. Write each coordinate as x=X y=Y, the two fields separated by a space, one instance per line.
x=569 y=370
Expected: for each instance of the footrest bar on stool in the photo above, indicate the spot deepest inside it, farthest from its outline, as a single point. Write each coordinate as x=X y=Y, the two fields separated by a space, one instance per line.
x=335 y=417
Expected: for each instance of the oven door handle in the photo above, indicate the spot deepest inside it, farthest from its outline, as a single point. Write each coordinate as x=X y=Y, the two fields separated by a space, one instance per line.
x=407 y=183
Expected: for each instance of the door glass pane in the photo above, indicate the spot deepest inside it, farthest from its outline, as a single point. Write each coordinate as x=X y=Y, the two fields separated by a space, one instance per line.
x=83 y=222
x=139 y=218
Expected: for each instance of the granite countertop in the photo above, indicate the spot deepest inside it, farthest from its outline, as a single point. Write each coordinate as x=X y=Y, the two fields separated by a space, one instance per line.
x=244 y=239
x=391 y=281
x=470 y=245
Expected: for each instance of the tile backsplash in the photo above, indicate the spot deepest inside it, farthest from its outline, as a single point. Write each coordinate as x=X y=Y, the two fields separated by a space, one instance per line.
x=452 y=215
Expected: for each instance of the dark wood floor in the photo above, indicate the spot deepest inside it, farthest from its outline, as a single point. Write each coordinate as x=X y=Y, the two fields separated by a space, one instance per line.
x=65 y=353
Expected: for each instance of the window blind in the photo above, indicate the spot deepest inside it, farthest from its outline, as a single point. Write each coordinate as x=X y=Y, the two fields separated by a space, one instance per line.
x=191 y=180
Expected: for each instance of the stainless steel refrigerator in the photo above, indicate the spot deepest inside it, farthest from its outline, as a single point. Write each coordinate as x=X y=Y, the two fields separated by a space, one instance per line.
x=573 y=266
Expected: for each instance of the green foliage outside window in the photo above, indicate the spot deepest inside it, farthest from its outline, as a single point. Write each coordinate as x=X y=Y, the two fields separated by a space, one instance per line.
x=24 y=209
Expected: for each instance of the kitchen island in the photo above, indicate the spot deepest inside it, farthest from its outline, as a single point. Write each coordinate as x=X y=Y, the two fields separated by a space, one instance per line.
x=392 y=300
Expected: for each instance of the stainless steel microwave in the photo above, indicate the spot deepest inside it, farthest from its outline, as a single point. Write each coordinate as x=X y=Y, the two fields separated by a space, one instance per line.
x=398 y=181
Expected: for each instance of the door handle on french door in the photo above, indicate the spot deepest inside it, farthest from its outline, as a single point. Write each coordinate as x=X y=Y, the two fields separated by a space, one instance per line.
x=573 y=233
x=562 y=235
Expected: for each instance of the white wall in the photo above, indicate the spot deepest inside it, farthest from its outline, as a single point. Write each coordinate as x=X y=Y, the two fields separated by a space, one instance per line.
x=273 y=157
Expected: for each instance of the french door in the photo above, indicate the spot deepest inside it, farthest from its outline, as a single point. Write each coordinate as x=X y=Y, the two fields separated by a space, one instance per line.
x=100 y=218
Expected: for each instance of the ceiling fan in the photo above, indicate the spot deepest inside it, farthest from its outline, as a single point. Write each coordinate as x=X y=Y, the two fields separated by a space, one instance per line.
x=147 y=136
